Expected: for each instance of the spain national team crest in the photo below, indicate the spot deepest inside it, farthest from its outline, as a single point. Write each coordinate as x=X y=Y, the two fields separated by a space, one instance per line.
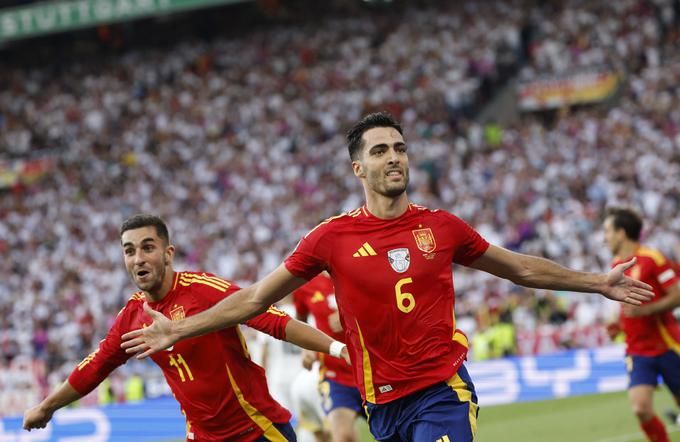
x=177 y=313
x=399 y=259
x=425 y=240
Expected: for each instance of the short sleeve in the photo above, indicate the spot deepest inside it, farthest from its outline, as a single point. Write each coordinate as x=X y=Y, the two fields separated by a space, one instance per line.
x=212 y=288
x=665 y=274
x=312 y=254
x=469 y=245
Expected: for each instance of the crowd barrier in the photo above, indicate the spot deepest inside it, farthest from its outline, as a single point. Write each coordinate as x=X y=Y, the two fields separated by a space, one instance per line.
x=515 y=379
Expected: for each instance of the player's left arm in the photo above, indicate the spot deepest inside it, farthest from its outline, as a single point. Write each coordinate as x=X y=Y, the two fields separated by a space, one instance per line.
x=278 y=324
x=307 y=337
x=536 y=272
x=668 y=302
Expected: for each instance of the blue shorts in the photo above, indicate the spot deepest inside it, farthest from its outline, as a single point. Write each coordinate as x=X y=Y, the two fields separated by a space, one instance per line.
x=444 y=412
x=645 y=370
x=334 y=395
x=285 y=430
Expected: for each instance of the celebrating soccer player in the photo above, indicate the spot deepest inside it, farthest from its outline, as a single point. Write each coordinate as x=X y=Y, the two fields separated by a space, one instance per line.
x=390 y=262
x=652 y=333
x=222 y=392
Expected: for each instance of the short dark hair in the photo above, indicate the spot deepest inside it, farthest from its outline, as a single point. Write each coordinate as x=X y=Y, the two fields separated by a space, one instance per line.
x=144 y=220
x=626 y=219
x=355 y=141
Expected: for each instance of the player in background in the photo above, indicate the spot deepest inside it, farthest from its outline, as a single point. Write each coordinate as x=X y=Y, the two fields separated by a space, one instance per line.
x=304 y=391
x=223 y=394
x=340 y=398
x=651 y=331
x=390 y=262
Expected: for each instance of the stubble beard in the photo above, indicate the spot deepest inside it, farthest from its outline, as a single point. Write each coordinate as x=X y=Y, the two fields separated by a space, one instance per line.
x=153 y=285
x=390 y=190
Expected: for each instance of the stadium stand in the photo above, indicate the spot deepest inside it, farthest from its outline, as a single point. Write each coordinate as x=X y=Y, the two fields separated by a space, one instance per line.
x=243 y=136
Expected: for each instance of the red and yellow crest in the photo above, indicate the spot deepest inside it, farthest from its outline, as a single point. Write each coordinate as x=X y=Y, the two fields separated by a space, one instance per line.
x=177 y=313
x=425 y=240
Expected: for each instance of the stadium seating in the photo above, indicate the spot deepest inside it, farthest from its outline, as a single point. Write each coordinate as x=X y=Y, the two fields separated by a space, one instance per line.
x=239 y=144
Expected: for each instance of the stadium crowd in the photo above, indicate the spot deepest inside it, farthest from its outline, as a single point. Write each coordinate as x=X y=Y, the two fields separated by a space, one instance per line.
x=238 y=143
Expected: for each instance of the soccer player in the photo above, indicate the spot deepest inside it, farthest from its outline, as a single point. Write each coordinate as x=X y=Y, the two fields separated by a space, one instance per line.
x=651 y=331
x=304 y=391
x=223 y=394
x=340 y=398
x=390 y=261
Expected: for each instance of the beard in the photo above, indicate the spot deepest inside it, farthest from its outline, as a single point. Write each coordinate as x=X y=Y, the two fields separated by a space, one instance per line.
x=394 y=191
x=151 y=285
x=382 y=186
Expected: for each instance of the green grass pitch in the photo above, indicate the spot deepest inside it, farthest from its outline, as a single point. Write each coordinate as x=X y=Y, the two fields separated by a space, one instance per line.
x=592 y=418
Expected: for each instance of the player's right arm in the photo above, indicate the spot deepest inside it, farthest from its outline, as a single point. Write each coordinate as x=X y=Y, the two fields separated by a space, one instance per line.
x=235 y=309
x=84 y=378
x=40 y=415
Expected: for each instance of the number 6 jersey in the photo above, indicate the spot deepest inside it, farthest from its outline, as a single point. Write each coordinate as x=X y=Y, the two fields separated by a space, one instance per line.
x=394 y=289
x=221 y=391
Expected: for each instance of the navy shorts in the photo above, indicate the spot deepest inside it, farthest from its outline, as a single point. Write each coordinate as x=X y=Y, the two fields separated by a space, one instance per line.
x=334 y=395
x=444 y=412
x=280 y=430
x=645 y=370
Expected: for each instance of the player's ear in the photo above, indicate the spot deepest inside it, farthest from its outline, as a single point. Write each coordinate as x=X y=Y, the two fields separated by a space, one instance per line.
x=169 y=254
x=358 y=169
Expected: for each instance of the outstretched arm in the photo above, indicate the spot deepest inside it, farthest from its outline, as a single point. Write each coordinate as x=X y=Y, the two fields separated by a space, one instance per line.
x=535 y=272
x=309 y=338
x=40 y=415
x=235 y=309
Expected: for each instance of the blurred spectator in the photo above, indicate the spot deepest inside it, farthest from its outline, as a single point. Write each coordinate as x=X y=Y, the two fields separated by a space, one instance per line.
x=241 y=142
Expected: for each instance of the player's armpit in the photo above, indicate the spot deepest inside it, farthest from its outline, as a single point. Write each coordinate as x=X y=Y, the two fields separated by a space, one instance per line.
x=275 y=286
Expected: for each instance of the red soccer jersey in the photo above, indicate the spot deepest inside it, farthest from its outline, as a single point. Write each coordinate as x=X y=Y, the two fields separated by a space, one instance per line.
x=654 y=334
x=394 y=289
x=221 y=391
x=317 y=298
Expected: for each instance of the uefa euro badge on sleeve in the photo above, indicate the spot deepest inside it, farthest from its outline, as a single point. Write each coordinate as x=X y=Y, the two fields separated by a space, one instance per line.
x=399 y=259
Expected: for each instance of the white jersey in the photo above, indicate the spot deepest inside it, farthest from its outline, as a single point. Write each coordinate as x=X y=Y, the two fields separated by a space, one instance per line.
x=307 y=403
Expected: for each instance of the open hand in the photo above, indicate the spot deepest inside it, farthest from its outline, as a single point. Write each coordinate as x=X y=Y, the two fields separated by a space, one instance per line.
x=620 y=287
x=149 y=340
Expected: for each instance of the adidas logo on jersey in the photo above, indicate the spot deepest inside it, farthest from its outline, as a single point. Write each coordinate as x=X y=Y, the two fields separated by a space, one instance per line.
x=385 y=388
x=365 y=250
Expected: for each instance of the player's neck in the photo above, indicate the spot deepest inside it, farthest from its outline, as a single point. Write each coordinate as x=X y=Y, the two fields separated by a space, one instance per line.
x=164 y=289
x=385 y=207
x=627 y=250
